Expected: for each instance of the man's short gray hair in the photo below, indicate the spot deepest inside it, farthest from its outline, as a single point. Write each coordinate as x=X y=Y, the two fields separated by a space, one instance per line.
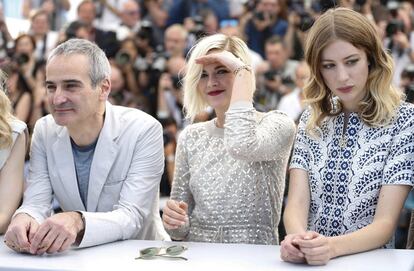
x=99 y=64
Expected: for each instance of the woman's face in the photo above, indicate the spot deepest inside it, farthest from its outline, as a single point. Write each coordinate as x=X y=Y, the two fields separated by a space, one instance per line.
x=344 y=69
x=40 y=24
x=24 y=45
x=215 y=85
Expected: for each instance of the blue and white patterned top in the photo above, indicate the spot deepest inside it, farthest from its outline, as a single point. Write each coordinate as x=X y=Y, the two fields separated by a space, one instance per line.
x=346 y=172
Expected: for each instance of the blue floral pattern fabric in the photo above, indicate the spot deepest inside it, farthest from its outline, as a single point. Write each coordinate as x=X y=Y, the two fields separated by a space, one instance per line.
x=348 y=167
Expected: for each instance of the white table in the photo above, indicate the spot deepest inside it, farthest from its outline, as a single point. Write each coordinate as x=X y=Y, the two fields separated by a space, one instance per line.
x=119 y=256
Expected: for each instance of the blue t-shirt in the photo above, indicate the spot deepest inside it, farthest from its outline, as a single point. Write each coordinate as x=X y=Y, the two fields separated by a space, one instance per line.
x=83 y=157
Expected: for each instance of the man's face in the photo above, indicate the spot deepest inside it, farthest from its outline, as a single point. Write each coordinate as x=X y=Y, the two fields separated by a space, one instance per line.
x=270 y=6
x=276 y=55
x=40 y=24
x=130 y=14
x=174 y=42
x=86 y=13
x=72 y=100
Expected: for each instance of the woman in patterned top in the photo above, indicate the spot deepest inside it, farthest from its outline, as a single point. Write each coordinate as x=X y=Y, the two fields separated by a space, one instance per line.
x=353 y=159
x=229 y=172
x=13 y=138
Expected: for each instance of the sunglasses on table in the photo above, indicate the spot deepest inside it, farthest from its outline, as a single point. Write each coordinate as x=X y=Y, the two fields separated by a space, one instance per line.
x=172 y=252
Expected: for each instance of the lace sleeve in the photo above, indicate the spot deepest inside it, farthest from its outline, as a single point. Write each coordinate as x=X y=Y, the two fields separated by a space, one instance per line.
x=181 y=185
x=252 y=138
x=300 y=157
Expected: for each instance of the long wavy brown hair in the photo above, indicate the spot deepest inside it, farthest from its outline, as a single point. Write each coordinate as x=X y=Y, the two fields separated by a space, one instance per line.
x=381 y=99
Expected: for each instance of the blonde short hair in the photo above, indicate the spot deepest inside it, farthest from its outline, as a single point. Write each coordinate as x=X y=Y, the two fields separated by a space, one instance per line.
x=6 y=138
x=193 y=101
x=379 y=104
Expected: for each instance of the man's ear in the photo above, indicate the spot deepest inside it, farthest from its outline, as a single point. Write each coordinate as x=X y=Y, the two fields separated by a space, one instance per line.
x=105 y=88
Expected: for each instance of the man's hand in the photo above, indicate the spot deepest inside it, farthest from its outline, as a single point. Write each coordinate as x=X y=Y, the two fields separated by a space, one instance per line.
x=57 y=233
x=21 y=232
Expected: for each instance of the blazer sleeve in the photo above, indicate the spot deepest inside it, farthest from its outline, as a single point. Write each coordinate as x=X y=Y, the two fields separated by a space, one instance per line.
x=37 y=200
x=136 y=202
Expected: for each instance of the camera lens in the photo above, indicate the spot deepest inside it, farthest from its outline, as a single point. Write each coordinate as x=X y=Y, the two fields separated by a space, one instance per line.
x=21 y=58
x=122 y=58
x=393 y=27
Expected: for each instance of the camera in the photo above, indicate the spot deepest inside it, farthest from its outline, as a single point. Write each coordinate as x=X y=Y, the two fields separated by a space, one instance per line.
x=198 y=29
x=21 y=58
x=327 y=4
x=393 y=27
x=409 y=93
x=122 y=58
x=275 y=74
x=306 y=22
x=167 y=137
x=198 y=23
x=305 y=19
x=259 y=15
x=360 y=2
x=145 y=31
x=271 y=75
x=176 y=82
x=159 y=62
x=408 y=74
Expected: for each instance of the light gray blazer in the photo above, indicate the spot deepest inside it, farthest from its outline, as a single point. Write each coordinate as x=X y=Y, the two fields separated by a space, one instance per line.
x=124 y=178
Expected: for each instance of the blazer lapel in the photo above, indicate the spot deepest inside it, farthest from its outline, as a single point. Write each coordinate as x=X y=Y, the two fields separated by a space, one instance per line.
x=65 y=166
x=105 y=155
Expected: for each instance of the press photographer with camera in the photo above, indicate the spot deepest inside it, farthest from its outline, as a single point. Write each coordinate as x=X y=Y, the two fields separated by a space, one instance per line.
x=26 y=79
x=175 y=40
x=6 y=39
x=399 y=38
x=299 y=21
x=125 y=59
x=267 y=19
x=169 y=91
x=275 y=77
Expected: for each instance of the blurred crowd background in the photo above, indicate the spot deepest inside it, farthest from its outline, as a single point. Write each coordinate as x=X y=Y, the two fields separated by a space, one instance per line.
x=147 y=42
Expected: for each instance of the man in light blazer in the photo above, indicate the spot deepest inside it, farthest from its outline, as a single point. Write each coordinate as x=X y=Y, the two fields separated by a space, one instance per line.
x=102 y=162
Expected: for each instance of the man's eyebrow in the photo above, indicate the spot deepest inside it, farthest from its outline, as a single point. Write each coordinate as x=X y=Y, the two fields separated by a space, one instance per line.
x=66 y=81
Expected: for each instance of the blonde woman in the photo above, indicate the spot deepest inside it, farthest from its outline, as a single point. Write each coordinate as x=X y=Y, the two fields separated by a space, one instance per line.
x=13 y=138
x=230 y=171
x=353 y=160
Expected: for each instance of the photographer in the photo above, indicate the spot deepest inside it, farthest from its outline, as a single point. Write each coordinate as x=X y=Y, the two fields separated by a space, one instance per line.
x=182 y=9
x=299 y=21
x=6 y=39
x=130 y=20
x=26 y=81
x=45 y=39
x=268 y=19
x=170 y=96
x=170 y=145
x=275 y=77
x=403 y=228
x=399 y=39
x=126 y=59
x=118 y=95
x=175 y=40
